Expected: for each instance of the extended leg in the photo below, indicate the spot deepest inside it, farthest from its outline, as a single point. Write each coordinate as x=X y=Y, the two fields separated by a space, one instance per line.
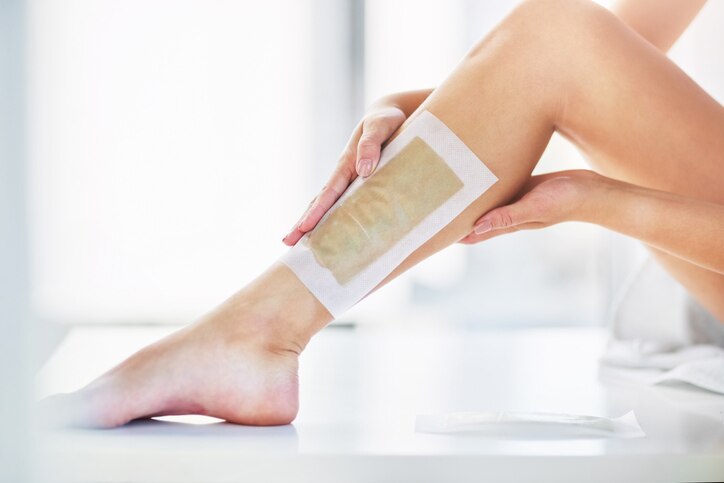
x=504 y=101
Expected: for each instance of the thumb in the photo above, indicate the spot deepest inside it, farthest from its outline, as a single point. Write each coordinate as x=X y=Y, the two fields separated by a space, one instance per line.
x=504 y=217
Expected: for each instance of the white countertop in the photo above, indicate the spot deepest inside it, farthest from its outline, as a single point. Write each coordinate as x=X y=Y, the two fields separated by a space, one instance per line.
x=361 y=390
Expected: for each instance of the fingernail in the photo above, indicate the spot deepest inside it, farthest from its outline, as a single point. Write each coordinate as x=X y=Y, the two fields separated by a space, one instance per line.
x=364 y=167
x=483 y=227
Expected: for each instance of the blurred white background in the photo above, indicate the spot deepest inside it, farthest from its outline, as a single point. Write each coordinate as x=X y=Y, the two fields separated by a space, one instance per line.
x=173 y=143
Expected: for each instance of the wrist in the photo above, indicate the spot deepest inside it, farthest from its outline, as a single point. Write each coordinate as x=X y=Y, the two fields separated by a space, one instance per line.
x=599 y=199
x=406 y=102
x=390 y=101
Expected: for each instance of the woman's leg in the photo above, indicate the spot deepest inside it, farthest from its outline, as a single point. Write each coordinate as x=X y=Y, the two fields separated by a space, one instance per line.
x=505 y=99
x=634 y=113
x=668 y=136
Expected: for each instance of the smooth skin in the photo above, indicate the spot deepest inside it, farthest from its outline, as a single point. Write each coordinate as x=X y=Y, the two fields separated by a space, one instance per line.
x=551 y=65
x=687 y=243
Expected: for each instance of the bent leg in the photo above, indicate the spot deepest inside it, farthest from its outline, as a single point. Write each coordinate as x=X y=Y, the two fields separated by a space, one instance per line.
x=504 y=100
x=633 y=112
x=639 y=118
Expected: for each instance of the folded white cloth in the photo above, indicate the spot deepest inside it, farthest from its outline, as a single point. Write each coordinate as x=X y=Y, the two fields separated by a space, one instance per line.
x=698 y=365
x=659 y=333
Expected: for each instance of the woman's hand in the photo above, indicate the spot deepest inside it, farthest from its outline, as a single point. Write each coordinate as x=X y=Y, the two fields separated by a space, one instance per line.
x=359 y=158
x=684 y=227
x=544 y=201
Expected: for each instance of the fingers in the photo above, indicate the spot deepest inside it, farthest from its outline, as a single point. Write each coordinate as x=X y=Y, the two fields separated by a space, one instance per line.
x=539 y=203
x=361 y=156
x=504 y=217
x=338 y=182
x=318 y=208
x=341 y=177
x=472 y=237
x=376 y=129
x=519 y=215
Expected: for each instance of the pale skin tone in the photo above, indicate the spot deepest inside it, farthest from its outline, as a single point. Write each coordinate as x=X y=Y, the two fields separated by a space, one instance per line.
x=635 y=115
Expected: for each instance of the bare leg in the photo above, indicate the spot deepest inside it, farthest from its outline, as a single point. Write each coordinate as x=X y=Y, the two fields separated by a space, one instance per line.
x=527 y=78
x=650 y=125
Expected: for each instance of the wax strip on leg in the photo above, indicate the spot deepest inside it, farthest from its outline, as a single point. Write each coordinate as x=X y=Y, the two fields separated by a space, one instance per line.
x=384 y=209
x=425 y=178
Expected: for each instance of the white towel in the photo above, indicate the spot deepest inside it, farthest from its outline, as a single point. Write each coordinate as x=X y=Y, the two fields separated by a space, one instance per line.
x=659 y=333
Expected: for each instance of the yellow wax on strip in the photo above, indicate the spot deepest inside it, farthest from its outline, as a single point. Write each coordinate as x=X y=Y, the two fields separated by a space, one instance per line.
x=386 y=207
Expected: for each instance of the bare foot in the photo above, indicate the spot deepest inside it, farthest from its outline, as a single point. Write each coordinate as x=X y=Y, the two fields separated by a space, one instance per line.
x=239 y=363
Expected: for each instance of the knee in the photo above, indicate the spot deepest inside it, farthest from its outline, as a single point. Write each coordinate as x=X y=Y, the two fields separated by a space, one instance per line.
x=547 y=46
x=549 y=31
x=557 y=20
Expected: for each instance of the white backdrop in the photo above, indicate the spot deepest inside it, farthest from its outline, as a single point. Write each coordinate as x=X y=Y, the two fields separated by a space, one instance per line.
x=173 y=143
x=170 y=151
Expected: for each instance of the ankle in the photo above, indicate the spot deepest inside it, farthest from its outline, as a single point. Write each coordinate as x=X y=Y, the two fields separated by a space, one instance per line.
x=276 y=311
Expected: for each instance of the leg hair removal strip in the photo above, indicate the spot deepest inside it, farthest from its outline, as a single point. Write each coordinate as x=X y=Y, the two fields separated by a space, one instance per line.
x=425 y=178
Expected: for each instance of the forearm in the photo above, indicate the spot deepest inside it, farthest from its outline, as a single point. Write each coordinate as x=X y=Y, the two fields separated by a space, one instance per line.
x=687 y=228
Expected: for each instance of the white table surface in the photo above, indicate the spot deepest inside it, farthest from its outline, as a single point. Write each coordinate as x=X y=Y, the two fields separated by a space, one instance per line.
x=361 y=390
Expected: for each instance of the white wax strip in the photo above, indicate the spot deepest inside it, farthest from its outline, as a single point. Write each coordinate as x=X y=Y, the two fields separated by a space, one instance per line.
x=533 y=425
x=377 y=230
